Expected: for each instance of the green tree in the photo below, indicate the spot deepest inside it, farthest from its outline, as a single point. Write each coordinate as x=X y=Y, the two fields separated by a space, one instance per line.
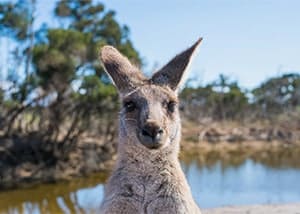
x=222 y=99
x=67 y=66
x=92 y=18
x=67 y=84
x=59 y=58
x=229 y=98
x=16 y=22
x=278 y=94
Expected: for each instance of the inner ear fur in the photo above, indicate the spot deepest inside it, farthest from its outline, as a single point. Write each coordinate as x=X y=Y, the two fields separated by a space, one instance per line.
x=125 y=76
x=172 y=73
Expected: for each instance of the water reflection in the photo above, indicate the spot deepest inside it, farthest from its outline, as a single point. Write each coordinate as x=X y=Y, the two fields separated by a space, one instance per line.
x=273 y=157
x=216 y=179
x=82 y=195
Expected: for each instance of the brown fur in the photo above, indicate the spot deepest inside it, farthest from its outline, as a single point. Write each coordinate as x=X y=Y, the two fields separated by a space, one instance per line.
x=148 y=177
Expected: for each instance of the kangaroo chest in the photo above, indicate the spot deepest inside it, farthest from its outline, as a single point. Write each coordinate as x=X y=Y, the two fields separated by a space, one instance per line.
x=145 y=187
x=154 y=191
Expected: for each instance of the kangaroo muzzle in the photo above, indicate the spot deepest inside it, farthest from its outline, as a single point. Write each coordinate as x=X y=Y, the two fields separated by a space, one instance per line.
x=151 y=135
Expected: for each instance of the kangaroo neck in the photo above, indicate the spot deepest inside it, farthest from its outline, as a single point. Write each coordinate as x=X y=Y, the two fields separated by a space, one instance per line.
x=143 y=159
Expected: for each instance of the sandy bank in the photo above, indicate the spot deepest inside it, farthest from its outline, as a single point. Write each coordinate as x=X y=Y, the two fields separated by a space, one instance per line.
x=256 y=209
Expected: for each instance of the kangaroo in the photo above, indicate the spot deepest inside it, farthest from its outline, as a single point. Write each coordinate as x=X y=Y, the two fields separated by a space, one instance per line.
x=148 y=177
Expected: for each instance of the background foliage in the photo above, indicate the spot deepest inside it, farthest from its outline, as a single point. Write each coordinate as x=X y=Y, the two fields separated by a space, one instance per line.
x=56 y=90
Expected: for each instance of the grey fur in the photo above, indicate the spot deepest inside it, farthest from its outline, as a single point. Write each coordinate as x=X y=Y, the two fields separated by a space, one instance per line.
x=148 y=177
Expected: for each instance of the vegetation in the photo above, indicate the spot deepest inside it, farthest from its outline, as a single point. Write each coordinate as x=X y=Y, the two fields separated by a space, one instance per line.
x=224 y=99
x=55 y=92
x=62 y=86
x=55 y=76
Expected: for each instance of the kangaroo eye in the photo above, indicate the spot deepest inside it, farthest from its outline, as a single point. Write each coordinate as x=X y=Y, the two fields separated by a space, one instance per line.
x=129 y=106
x=171 y=106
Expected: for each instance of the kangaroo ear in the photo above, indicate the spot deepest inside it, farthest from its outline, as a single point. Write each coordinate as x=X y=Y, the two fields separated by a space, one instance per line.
x=124 y=75
x=172 y=73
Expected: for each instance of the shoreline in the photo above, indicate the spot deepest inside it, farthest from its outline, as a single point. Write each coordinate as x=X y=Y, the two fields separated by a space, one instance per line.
x=272 y=154
x=90 y=157
x=24 y=160
x=289 y=208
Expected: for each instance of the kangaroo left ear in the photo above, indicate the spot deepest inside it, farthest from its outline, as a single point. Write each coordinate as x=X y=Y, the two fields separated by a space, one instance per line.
x=172 y=73
x=124 y=75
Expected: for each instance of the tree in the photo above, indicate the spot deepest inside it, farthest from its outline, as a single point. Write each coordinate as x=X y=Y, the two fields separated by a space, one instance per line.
x=222 y=99
x=16 y=22
x=67 y=84
x=89 y=18
x=278 y=94
x=58 y=59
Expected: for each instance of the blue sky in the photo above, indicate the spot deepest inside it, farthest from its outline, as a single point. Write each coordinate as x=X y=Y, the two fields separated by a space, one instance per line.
x=248 y=40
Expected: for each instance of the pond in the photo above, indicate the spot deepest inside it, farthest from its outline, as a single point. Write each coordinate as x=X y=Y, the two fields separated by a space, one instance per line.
x=213 y=185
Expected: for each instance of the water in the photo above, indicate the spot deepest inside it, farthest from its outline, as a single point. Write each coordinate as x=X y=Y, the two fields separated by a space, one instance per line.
x=213 y=185
x=249 y=183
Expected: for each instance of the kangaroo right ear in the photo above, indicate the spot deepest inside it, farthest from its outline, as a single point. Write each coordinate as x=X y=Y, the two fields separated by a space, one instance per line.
x=172 y=74
x=124 y=75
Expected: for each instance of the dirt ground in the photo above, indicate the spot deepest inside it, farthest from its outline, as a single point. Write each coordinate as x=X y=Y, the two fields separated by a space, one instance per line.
x=256 y=209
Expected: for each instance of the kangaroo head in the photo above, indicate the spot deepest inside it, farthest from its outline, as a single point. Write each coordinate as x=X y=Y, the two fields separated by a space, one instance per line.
x=149 y=116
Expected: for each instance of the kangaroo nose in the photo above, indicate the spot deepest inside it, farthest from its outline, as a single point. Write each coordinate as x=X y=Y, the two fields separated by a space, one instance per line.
x=152 y=136
x=153 y=131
